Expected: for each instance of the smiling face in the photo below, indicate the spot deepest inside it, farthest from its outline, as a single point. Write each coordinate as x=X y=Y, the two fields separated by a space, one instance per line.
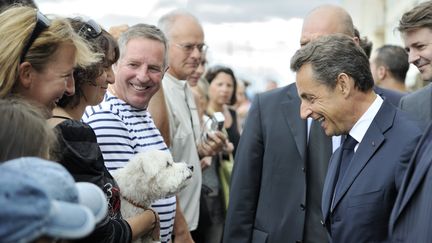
x=322 y=103
x=418 y=44
x=139 y=71
x=48 y=85
x=94 y=94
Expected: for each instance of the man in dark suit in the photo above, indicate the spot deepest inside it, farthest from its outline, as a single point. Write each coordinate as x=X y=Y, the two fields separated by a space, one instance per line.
x=416 y=29
x=277 y=184
x=335 y=85
x=412 y=213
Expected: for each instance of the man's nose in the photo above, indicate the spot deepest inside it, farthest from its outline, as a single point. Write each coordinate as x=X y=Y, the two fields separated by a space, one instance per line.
x=305 y=111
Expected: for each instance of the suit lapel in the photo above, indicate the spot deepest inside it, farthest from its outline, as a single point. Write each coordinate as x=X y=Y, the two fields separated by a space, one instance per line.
x=414 y=176
x=366 y=149
x=290 y=107
x=371 y=142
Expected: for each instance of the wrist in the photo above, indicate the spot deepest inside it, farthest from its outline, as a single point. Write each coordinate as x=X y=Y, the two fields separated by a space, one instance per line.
x=155 y=219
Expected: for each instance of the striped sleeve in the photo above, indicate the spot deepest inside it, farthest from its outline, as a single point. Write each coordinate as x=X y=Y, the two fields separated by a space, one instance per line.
x=112 y=136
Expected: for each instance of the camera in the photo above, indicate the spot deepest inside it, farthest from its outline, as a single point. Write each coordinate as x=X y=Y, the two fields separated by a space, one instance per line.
x=218 y=120
x=212 y=124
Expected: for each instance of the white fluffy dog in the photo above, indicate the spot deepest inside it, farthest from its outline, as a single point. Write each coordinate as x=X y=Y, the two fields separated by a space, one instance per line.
x=147 y=177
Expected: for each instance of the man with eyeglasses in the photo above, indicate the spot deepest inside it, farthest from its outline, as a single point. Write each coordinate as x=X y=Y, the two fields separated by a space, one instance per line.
x=186 y=43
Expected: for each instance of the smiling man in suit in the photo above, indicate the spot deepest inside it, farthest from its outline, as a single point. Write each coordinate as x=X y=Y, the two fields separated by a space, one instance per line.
x=282 y=160
x=416 y=31
x=335 y=86
x=412 y=213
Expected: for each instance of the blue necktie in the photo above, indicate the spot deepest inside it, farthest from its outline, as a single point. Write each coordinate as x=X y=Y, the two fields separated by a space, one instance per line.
x=347 y=154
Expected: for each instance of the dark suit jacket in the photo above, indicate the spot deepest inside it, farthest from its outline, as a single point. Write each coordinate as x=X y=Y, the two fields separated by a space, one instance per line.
x=361 y=211
x=411 y=218
x=419 y=104
x=268 y=184
x=391 y=96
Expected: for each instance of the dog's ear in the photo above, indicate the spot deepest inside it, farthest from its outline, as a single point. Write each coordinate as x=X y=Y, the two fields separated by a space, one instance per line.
x=147 y=164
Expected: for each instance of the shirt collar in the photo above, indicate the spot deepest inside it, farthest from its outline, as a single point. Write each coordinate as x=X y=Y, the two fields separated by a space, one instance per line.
x=175 y=81
x=362 y=125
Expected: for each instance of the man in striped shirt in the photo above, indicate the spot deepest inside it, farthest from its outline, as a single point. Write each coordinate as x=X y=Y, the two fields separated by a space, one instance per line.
x=122 y=124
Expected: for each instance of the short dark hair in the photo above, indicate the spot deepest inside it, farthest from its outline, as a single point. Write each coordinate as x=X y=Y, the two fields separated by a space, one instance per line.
x=214 y=71
x=395 y=59
x=418 y=17
x=104 y=44
x=332 y=55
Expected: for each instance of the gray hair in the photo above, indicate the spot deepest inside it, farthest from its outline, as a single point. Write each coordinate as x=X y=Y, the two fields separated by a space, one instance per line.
x=332 y=55
x=166 y=22
x=146 y=31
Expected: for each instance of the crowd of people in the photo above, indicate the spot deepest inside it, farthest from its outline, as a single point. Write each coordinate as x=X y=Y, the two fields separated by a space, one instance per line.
x=343 y=154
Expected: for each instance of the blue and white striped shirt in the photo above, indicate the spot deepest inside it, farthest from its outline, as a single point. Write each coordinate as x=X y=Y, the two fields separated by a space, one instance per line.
x=122 y=131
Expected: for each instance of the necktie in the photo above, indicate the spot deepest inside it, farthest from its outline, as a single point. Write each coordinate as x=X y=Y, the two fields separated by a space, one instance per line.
x=347 y=154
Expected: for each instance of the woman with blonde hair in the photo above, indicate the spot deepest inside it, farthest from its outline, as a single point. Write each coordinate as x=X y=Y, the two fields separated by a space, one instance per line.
x=38 y=56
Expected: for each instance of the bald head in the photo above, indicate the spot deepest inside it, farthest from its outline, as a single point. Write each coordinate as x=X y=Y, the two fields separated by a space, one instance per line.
x=326 y=20
x=170 y=22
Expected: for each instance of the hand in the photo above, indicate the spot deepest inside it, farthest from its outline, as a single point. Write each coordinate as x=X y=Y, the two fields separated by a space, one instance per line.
x=214 y=143
x=229 y=147
x=205 y=162
x=155 y=234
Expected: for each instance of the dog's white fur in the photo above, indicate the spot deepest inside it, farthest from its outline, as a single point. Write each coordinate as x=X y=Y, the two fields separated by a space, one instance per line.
x=147 y=177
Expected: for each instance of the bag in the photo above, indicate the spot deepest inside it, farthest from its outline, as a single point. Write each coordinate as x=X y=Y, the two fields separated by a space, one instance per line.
x=225 y=171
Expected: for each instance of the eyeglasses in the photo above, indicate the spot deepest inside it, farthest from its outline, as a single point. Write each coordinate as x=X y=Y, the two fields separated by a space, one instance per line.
x=90 y=29
x=188 y=48
x=42 y=23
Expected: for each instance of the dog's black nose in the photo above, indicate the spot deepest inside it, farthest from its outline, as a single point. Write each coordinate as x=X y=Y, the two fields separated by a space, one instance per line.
x=190 y=167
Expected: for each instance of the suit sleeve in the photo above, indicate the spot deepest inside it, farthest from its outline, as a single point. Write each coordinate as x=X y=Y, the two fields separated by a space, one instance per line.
x=246 y=179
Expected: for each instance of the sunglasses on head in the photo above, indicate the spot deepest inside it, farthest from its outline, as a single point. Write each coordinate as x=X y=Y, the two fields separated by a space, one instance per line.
x=42 y=22
x=90 y=30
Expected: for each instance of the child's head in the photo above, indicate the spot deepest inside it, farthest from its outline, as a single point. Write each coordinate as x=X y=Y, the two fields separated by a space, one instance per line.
x=23 y=131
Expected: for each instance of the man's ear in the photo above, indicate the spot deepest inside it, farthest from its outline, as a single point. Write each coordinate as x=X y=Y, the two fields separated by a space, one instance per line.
x=344 y=84
x=356 y=40
x=115 y=66
x=381 y=72
x=25 y=74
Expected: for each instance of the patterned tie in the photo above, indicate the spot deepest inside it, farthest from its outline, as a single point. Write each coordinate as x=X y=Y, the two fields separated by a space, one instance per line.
x=347 y=154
